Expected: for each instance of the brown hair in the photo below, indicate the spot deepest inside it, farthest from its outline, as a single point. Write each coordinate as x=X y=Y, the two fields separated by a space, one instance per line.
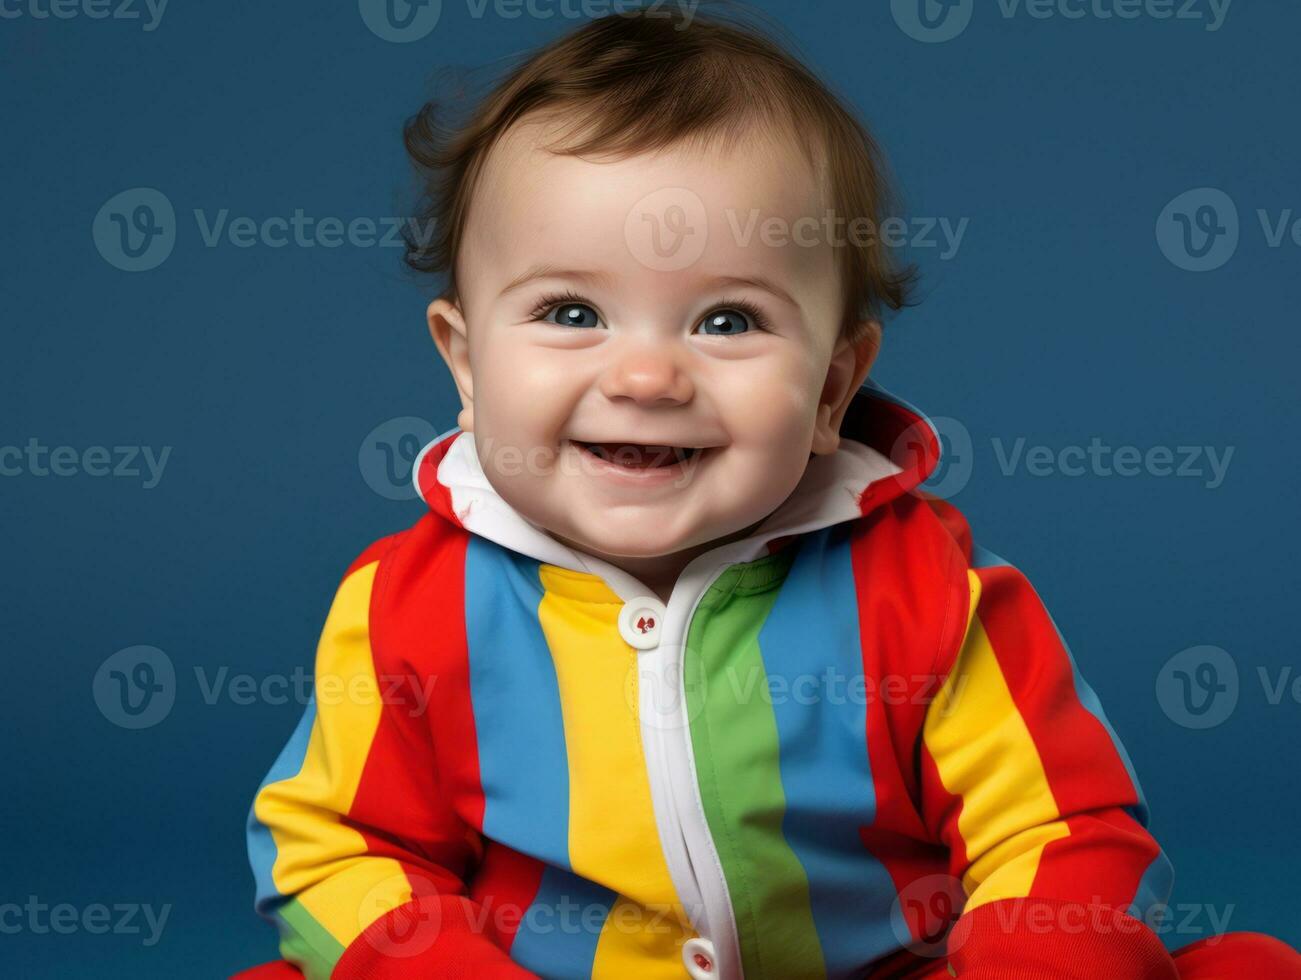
x=643 y=80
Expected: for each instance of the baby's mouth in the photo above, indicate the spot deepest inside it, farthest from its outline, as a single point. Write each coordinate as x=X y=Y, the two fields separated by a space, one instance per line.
x=639 y=456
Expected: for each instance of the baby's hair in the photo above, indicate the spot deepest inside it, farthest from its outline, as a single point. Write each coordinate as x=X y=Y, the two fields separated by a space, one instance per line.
x=652 y=78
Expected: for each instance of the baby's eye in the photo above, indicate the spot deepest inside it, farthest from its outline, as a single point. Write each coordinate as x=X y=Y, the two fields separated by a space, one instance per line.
x=725 y=322
x=572 y=315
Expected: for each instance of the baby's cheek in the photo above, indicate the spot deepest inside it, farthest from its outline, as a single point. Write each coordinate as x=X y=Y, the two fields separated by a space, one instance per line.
x=777 y=415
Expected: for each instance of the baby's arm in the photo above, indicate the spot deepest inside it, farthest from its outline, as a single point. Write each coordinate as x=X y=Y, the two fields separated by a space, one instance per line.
x=359 y=858
x=1027 y=786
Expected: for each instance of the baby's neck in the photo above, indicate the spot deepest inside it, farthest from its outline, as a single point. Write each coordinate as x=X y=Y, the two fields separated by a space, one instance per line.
x=660 y=573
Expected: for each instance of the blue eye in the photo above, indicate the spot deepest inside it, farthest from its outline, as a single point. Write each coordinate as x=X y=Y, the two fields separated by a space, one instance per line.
x=572 y=315
x=722 y=323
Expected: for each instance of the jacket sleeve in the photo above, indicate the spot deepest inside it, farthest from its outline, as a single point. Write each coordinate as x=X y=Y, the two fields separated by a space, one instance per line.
x=1026 y=784
x=358 y=859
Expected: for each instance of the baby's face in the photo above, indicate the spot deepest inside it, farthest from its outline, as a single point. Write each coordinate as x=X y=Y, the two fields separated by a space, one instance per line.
x=579 y=322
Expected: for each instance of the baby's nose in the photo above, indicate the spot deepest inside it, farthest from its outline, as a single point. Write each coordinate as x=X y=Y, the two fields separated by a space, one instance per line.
x=648 y=373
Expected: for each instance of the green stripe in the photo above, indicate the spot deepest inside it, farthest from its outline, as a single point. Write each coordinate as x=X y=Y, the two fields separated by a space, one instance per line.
x=306 y=943
x=734 y=738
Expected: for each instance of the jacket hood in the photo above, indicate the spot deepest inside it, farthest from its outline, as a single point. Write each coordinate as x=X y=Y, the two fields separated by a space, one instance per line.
x=887 y=448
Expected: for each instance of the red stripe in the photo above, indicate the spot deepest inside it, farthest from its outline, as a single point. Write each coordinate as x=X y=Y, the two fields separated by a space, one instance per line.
x=423 y=619
x=1107 y=851
x=430 y=810
x=1083 y=768
x=373 y=553
x=912 y=601
x=506 y=885
x=953 y=520
x=1102 y=860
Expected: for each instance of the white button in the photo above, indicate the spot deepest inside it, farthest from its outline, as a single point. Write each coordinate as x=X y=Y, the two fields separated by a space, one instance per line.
x=698 y=954
x=640 y=621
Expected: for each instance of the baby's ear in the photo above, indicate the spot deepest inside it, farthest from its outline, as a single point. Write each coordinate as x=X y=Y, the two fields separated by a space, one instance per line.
x=447 y=327
x=850 y=363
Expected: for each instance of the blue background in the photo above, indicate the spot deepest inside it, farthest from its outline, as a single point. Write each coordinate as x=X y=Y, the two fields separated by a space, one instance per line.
x=1058 y=320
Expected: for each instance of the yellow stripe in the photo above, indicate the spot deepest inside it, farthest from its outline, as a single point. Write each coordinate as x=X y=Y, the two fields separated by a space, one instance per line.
x=986 y=756
x=319 y=859
x=613 y=839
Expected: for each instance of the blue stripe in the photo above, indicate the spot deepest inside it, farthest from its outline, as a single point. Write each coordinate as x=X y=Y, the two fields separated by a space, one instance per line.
x=825 y=770
x=262 y=851
x=981 y=558
x=523 y=764
x=559 y=932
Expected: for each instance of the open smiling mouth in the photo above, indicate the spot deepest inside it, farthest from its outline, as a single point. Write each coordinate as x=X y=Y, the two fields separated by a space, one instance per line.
x=639 y=456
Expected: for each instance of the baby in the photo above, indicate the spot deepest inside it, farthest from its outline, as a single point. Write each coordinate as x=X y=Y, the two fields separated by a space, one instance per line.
x=681 y=674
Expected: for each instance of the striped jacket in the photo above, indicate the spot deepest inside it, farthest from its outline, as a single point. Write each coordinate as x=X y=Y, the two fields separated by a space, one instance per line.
x=851 y=733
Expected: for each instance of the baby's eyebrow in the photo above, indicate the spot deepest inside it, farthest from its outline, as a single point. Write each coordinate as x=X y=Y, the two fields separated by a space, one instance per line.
x=548 y=271
x=758 y=282
x=544 y=270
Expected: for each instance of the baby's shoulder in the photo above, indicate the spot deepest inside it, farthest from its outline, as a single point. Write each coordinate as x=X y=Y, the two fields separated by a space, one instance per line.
x=409 y=553
x=916 y=534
